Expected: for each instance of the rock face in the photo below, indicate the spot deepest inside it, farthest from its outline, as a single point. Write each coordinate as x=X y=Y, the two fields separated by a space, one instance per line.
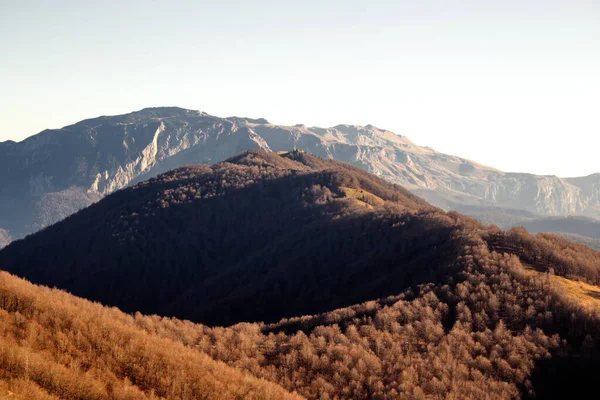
x=4 y=238
x=52 y=174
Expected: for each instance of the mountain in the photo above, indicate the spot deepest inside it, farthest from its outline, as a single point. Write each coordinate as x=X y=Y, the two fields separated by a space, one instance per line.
x=187 y=243
x=339 y=283
x=538 y=194
x=52 y=174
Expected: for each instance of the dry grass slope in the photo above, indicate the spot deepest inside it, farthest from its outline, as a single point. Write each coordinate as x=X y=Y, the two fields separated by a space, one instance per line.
x=582 y=293
x=364 y=198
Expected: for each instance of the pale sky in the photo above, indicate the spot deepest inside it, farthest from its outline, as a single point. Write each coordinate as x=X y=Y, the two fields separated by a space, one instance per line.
x=511 y=84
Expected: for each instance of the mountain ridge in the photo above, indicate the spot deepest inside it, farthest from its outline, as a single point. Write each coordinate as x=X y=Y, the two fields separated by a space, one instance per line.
x=82 y=162
x=183 y=219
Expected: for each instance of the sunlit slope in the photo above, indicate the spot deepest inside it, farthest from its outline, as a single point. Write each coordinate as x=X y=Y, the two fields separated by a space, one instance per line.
x=56 y=346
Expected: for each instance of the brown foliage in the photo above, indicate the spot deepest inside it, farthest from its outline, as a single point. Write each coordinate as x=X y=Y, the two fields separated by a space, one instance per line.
x=478 y=335
x=545 y=251
x=54 y=345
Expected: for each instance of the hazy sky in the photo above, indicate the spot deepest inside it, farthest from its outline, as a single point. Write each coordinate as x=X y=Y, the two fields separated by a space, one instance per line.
x=511 y=84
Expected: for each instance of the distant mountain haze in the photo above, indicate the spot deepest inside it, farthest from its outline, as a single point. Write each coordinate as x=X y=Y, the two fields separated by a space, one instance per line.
x=50 y=175
x=576 y=228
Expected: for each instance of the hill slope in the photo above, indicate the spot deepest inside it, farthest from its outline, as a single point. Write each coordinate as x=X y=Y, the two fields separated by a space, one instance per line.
x=56 y=346
x=80 y=163
x=492 y=330
x=433 y=304
x=280 y=235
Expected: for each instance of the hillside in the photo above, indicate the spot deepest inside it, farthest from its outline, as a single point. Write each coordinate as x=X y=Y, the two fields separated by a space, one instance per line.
x=242 y=240
x=358 y=290
x=492 y=330
x=59 y=171
x=56 y=346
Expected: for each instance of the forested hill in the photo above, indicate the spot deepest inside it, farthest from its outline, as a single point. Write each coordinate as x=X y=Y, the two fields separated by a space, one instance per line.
x=367 y=291
x=494 y=329
x=55 y=346
x=259 y=237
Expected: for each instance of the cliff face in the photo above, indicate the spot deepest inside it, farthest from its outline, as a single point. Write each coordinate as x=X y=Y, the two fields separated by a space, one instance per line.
x=56 y=172
x=4 y=238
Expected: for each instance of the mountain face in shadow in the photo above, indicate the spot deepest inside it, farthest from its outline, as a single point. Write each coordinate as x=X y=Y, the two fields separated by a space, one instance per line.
x=48 y=176
x=258 y=237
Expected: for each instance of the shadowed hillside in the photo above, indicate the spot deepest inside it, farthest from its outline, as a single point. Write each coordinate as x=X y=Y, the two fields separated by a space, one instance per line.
x=259 y=237
x=360 y=290
x=491 y=330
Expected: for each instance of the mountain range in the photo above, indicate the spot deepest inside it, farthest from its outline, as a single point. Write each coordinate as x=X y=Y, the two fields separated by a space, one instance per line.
x=297 y=277
x=48 y=176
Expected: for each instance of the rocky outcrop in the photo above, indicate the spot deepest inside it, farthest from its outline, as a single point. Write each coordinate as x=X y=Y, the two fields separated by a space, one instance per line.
x=5 y=238
x=56 y=172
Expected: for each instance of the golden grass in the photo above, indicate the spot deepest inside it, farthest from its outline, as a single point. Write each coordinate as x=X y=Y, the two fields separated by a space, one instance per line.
x=364 y=198
x=583 y=293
